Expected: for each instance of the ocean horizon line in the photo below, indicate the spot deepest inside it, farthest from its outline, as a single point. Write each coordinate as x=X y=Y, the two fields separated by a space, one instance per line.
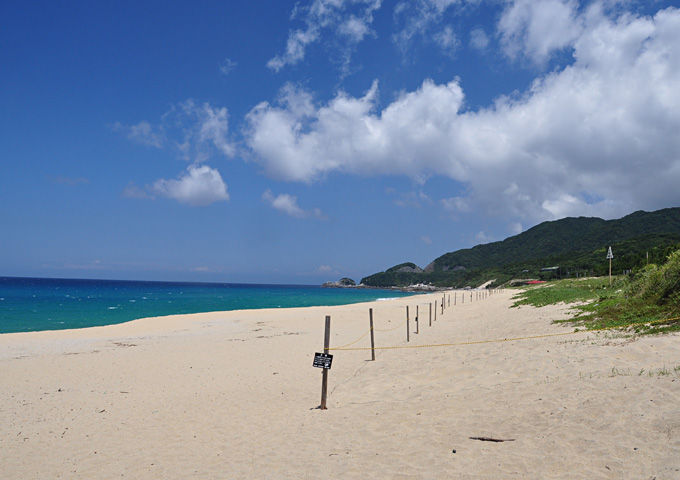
x=37 y=303
x=214 y=282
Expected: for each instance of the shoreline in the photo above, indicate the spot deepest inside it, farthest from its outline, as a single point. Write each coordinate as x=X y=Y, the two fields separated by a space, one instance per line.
x=234 y=395
x=53 y=304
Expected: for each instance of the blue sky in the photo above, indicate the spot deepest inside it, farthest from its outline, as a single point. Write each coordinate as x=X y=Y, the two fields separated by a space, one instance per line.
x=300 y=142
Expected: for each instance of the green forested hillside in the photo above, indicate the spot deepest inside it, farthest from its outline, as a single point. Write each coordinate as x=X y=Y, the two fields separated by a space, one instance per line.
x=577 y=246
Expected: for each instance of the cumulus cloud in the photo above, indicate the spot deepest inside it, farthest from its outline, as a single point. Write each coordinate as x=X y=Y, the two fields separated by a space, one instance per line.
x=536 y=28
x=348 y=20
x=196 y=133
x=613 y=115
x=288 y=204
x=296 y=140
x=198 y=186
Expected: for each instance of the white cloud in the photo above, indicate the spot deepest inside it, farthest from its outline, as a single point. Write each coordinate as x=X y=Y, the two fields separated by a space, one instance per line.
x=227 y=66
x=418 y=18
x=350 y=20
x=288 y=204
x=348 y=135
x=354 y=28
x=199 y=130
x=536 y=28
x=196 y=131
x=515 y=228
x=143 y=133
x=482 y=238
x=447 y=40
x=596 y=138
x=456 y=204
x=426 y=239
x=199 y=186
x=323 y=270
x=478 y=39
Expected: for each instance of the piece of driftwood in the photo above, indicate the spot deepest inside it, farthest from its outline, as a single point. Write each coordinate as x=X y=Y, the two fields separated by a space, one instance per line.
x=489 y=439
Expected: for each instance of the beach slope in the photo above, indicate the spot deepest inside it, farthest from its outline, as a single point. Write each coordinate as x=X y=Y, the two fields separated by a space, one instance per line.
x=234 y=395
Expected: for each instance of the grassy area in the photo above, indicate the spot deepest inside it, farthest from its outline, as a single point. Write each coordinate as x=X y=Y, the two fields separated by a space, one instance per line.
x=567 y=291
x=653 y=294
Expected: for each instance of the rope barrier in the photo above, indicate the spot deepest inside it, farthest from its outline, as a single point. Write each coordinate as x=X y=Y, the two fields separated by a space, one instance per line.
x=504 y=339
x=352 y=343
x=375 y=330
x=369 y=331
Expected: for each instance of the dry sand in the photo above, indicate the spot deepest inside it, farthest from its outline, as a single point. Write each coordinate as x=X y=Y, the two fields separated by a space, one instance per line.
x=234 y=395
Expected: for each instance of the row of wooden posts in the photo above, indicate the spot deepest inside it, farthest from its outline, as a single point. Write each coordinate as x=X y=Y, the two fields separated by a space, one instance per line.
x=327 y=333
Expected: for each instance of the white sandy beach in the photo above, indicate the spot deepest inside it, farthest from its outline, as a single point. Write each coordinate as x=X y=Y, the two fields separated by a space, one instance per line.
x=234 y=395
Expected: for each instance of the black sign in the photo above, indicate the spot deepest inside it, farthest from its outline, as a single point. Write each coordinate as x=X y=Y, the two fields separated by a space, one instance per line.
x=323 y=360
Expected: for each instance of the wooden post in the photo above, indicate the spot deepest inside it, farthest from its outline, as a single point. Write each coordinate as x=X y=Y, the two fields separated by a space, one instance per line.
x=408 y=337
x=370 y=315
x=449 y=301
x=435 y=310
x=417 y=322
x=430 y=313
x=324 y=373
x=454 y=297
x=442 y=306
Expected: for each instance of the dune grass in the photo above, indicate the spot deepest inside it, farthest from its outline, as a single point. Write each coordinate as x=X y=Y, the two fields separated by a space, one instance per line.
x=651 y=295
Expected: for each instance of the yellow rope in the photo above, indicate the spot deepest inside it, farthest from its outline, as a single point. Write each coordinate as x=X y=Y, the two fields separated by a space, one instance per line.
x=369 y=331
x=352 y=343
x=504 y=339
x=389 y=329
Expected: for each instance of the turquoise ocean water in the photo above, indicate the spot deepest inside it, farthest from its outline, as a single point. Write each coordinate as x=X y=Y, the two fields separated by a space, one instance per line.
x=32 y=304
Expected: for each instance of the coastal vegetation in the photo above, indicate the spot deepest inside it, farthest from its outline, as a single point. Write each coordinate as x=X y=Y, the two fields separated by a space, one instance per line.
x=650 y=295
x=566 y=248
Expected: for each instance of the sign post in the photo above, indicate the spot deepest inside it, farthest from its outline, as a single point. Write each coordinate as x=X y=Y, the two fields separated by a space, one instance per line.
x=323 y=360
x=408 y=338
x=610 y=255
x=370 y=316
x=417 y=323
